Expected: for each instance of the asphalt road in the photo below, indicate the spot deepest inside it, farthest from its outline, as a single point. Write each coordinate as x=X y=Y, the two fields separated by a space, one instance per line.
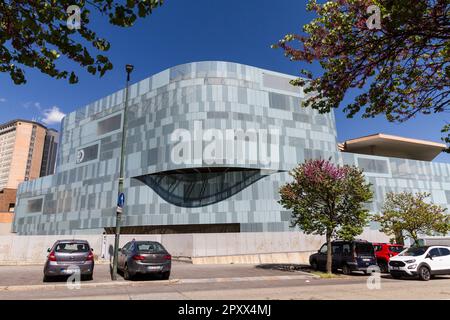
x=218 y=282
x=32 y=275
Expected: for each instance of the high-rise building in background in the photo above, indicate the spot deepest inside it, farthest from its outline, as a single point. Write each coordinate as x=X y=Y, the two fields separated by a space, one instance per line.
x=27 y=152
x=49 y=154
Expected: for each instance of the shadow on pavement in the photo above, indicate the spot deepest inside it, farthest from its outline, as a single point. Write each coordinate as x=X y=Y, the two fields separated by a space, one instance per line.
x=285 y=267
x=292 y=267
x=64 y=279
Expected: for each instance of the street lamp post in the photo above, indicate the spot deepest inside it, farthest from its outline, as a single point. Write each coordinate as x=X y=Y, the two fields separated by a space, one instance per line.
x=129 y=69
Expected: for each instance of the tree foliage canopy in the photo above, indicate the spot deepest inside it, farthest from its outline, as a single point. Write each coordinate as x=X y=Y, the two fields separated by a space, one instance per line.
x=34 y=33
x=401 y=68
x=407 y=214
x=325 y=198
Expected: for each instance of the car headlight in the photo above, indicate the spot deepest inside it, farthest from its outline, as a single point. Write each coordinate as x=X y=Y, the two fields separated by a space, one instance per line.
x=410 y=261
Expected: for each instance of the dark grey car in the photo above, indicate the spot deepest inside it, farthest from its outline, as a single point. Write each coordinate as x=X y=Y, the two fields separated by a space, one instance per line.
x=356 y=255
x=68 y=256
x=144 y=257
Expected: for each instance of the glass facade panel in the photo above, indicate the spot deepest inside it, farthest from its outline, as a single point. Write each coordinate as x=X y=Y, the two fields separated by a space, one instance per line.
x=279 y=83
x=447 y=196
x=207 y=69
x=279 y=101
x=87 y=154
x=180 y=72
x=373 y=165
x=201 y=186
x=108 y=125
x=34 y=205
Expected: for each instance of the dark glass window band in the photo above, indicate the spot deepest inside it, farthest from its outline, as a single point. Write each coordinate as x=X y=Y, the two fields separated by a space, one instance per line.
x=200 y=187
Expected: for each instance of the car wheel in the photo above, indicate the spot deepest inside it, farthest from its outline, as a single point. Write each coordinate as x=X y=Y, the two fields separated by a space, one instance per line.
x=46 y=279
x=346 y=270
x=314 y=265
x=165 y=275
x=126 y=273
x=383 y=266
x=424 y=273
x=395 y=275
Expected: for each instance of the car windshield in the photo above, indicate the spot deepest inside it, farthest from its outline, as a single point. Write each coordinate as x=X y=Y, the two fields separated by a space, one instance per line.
x=396 y=249
x=72 y=247
x=364 y=248
x=413 y=252
x=151 y=247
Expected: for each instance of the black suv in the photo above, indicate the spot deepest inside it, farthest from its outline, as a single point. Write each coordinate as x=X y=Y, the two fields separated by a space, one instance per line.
x=356 y=255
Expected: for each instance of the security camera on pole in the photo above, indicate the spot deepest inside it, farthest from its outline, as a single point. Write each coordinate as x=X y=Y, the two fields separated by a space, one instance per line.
x=121 y=196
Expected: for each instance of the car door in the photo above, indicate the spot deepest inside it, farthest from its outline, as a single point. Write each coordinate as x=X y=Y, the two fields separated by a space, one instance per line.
x=123 y=255
x=322 y=257
x=337 y=256
x=445 y=256
x=435 y=262
x=346 y=253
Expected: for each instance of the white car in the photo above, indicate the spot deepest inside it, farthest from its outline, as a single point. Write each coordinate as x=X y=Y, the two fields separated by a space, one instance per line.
x=424 y=262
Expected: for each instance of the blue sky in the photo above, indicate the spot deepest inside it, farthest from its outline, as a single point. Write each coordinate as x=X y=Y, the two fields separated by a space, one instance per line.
x=184 y=31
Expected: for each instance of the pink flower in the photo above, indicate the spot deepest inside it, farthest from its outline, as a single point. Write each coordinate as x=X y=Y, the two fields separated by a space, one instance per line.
x=317 y=171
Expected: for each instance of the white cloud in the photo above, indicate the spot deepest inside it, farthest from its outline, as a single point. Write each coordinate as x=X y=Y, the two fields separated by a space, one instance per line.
x=52 y=116
x=2 y=100
x=29 y=104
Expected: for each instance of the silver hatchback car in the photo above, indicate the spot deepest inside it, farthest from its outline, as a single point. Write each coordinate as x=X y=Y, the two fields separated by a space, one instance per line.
x=67 y=257
x=144 y=257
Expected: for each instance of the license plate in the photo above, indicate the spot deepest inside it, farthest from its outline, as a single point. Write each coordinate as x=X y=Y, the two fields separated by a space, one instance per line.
x=154 y=268
x=395 y=268
x=366 y=259
x=67 y=271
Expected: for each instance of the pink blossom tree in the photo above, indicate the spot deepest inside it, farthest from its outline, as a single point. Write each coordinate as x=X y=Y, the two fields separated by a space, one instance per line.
x=327 y=199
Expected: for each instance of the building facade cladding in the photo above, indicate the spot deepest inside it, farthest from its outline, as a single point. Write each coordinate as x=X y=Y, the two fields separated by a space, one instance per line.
x=81 y=196
x=388 y=174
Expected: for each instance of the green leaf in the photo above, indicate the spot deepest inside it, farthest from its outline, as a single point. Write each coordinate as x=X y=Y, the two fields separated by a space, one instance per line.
x=73 y=78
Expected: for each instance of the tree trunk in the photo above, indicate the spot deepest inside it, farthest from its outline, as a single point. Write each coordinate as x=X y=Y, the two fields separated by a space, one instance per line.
x=415 y=238
x=399 y=238
x=329 y=253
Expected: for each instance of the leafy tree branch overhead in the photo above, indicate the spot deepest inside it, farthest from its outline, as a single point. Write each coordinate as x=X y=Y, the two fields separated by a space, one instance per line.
x=34 y=33
x=401 y=68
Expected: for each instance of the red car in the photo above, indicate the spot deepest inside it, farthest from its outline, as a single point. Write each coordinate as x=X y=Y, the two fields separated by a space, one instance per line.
x=384 y=251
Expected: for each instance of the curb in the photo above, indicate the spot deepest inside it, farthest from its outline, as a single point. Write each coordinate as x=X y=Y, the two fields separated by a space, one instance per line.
x=155 y=282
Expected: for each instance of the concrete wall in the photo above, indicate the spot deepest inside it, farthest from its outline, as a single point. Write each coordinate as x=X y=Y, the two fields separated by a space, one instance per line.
x=257 y=247
x=33 y=249
x=5 y=228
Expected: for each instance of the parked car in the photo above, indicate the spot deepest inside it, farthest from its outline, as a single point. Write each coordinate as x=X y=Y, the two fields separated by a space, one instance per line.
x=425 y=262
x=349 y=256
x=144 y=257
x=385 y=251
x=66 y=256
